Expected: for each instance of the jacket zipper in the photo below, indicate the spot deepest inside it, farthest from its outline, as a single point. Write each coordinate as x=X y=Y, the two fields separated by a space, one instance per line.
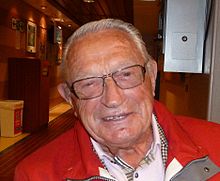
x=91 y=179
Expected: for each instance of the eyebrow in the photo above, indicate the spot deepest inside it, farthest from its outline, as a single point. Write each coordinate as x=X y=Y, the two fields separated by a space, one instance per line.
x=87 y=74
x=96 y=76
x=83 y=74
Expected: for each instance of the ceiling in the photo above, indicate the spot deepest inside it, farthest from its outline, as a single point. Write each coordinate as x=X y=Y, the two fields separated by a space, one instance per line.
x=142 y=13
x=82 y=12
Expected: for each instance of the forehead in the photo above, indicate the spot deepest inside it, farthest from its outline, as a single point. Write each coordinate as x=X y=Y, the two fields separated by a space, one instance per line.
x=104 y=50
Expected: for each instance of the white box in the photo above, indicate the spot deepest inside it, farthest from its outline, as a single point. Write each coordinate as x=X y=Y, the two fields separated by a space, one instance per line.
x=11 y=117
x=185 y=28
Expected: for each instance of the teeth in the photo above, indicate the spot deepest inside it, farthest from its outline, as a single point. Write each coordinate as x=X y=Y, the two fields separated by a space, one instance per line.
x=110 y=118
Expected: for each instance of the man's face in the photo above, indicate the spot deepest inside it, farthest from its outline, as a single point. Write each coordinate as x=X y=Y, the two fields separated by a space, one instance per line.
x=119 y=117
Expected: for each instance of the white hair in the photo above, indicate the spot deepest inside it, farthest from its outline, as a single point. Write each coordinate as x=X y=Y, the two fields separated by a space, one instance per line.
x=104 y=24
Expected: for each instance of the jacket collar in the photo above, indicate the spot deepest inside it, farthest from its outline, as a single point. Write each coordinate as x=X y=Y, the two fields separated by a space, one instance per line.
x=180 y=146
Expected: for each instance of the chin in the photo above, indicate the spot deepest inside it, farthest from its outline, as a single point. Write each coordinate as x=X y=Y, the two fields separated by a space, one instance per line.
x=122 y=141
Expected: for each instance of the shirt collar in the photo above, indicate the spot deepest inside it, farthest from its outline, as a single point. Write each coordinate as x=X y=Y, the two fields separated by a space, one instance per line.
x=156 y=136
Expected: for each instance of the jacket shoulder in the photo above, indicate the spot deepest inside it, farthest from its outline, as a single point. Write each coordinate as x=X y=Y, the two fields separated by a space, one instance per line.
x=202 y=132
x=51 y=160
x=193 y=126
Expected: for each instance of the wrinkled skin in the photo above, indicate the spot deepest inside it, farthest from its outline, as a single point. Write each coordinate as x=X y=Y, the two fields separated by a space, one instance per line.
x=120 y=120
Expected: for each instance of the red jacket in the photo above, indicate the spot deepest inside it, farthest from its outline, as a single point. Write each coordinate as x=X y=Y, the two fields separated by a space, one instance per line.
x=193 y=153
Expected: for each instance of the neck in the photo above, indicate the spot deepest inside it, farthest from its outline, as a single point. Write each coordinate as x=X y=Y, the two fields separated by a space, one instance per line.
x=132 y=154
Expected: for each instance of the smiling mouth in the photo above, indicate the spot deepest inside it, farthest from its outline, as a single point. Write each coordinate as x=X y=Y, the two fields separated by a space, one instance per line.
x=116 y=117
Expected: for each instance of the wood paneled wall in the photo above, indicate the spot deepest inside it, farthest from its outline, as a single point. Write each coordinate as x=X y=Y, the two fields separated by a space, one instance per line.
x=13 y=43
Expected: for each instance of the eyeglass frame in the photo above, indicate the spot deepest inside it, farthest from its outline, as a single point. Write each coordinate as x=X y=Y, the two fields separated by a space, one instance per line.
x=103 y=77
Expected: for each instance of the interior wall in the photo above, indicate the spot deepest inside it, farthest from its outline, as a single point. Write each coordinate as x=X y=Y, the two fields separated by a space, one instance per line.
x=185 y=94
x=13 y=43
x=146 y=15
x=55 y=68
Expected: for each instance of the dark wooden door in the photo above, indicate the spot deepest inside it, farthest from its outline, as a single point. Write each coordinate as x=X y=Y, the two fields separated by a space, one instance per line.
x=27 y=82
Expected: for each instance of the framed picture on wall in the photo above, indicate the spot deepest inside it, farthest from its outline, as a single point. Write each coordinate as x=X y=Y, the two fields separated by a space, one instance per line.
x=31 y=37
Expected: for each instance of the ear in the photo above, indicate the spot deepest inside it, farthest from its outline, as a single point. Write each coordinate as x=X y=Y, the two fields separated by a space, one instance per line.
x=152 y=73
x=65 y=92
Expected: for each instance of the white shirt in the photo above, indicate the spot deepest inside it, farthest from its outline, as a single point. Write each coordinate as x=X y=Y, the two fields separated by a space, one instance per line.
x=154 y=171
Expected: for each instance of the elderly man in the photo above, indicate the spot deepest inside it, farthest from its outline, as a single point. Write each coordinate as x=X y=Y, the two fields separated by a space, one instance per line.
x=122 y=133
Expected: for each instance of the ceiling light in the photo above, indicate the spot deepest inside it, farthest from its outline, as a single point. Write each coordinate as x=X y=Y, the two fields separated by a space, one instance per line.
x=57 y=19
x=43 y=7
x=89 y=1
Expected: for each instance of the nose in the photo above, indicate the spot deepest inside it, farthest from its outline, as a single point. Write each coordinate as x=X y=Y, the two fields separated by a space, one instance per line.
x=113 y=96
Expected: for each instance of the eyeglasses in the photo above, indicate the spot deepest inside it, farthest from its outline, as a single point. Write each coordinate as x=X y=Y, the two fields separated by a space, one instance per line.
x=92 y=87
